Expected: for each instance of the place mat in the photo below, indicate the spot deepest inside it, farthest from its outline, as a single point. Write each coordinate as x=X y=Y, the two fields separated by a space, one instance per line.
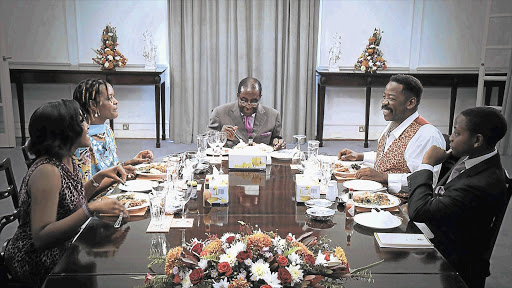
x=136 y=212
x=391 y=209
x=166 y=226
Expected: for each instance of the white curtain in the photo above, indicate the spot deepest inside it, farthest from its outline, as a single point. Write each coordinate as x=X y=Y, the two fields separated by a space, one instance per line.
x=216 y=43
x=505 y=145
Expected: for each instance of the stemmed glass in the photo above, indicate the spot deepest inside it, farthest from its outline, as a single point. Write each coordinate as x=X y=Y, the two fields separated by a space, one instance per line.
x=202 y=145
x=327 y=168
x=296 y=157
x=299 y=138
x=183 y=196
x=222 y=138
x=212 y=140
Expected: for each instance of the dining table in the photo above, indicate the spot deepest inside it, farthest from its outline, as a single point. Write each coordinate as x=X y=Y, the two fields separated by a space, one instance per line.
x=104 y=256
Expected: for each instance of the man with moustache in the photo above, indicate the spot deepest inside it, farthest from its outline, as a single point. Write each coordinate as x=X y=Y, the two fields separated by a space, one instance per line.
x=247 y=118
x=405 y=140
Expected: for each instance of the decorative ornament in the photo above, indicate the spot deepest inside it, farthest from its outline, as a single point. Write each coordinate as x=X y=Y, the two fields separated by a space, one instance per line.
x=107 y=56
x=335 y=53
x=371 y=58
x=149 y=51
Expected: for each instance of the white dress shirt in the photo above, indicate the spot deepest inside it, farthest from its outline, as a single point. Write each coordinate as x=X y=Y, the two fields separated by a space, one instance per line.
x=426 y=136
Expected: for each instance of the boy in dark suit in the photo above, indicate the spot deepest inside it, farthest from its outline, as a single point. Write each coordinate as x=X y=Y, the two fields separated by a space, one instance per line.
x=461 y=208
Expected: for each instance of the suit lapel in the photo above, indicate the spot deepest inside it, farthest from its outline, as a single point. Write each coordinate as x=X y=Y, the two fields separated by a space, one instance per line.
x=236 y=117
x=442 y=182
x=470 y=172
x=259 y=120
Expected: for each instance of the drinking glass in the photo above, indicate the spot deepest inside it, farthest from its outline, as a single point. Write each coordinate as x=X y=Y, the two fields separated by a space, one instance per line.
x=222 y=137
x=313 y=146
x=212 y=141
x=327 y=167
x=157 y=208
x=299 y=140
x=202 y=145
x=183 y=196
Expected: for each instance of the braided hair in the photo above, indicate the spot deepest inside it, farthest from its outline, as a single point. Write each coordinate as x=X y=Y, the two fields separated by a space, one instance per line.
x=86 y=91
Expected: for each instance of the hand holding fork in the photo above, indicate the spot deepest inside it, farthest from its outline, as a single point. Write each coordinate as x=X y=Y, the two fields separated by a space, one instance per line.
x=120 y=218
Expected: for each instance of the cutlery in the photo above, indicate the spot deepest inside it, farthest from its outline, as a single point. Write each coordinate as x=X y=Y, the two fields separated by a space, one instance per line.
x=238 y=137
x=120 y=218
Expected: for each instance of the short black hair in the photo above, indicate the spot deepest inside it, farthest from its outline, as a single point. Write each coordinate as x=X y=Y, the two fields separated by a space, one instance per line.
x=411 y=86
x=248 y=82
x=488 y=122
x=54 y=128
x=88 y=90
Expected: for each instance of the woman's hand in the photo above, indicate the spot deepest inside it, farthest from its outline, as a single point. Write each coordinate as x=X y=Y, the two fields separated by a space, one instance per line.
x=116 y=173
x=107 y=206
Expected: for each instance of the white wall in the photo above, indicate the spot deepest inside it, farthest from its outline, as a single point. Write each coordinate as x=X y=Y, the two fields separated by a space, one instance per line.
x=421 y=35
x=59 y=33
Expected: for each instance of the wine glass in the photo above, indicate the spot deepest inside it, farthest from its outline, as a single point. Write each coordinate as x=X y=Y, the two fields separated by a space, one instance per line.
x=222 y=137
x=183 y=196
x=212 y=140
x=327 y=168
x=299 y=140
x=202 y=145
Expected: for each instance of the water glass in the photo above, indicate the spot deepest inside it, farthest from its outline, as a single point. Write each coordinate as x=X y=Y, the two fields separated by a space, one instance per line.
x=202 y=145
x=157 y=208
x=299 y=140
x=313 y=146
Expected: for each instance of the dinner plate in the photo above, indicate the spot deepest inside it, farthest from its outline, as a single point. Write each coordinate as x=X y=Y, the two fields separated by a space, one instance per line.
x=378 y=220
x=393 y=201
x=136 y=196
x=286 y=154
x=136 y=185
x=359 y=185
x=142 y=169
x=224 y=151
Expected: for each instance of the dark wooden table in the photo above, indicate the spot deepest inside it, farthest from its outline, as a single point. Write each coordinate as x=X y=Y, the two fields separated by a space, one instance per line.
x=103 y=256
x=121 y=76
x=380 y=79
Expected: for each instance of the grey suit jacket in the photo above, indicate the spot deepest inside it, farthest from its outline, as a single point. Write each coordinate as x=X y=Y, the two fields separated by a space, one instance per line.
x=267 y=123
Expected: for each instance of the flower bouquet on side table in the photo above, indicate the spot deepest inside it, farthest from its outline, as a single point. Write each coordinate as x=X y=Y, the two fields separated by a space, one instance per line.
x=253 y=258
x=107 y=56
x=371 y=58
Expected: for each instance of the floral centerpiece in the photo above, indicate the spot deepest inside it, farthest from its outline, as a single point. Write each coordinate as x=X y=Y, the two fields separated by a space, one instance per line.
x=371 y=58
x=252 y=258
x=107 y=56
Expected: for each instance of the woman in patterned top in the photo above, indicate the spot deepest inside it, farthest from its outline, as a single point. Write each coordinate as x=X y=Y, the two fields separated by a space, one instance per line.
x=96 y=98
x=52 y=197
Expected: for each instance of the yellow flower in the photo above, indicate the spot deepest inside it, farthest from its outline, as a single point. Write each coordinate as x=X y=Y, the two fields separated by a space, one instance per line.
x=239 y=283
x=258 y=240
x=214 y=247
x=303 y=250
x=340 y=254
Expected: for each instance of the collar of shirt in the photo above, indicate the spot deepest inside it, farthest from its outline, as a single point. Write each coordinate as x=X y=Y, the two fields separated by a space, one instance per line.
x=473 y=161
x=96 y=129
x=401 y=128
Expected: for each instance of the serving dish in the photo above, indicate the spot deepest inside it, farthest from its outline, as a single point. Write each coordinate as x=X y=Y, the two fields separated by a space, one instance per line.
x=362 y=185
x=318 y=203
x=372 y=200
x=378 y=220
x=320 y=213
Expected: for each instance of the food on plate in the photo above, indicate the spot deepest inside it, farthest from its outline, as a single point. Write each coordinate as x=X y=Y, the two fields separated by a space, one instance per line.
x=341 y=169
x=258 y=146
x=153 y=168
x=379 y=199
x=130 y=200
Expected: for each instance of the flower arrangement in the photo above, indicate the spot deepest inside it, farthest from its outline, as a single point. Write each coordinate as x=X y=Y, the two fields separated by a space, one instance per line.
x=107 y=56
x=253 y=258
x=371 y=58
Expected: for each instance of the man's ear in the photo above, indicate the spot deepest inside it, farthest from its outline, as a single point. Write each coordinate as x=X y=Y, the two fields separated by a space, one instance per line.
x=478 y=140
x=411 y=103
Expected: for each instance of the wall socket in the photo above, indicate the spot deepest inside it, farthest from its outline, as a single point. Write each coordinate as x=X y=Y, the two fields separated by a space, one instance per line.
x=361 y=128
x=126 y=126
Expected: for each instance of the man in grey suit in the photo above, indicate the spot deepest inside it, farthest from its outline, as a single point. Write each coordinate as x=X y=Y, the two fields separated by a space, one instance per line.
x=247 y=118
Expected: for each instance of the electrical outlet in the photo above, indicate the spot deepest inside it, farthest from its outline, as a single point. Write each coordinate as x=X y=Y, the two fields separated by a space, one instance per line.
x=126 y=126
x=361 y=128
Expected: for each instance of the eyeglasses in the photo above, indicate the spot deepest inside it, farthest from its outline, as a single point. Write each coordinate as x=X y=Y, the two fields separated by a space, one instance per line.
x=245 y=103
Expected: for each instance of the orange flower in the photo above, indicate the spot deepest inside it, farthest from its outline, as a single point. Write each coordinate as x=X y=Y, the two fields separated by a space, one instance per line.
x=372 y=39
x=173 y=259
x=258 y=241
x=365 y=63
x=303 y=250
x=214 y=247
x=340 y=254
x=239 y=283
x=370 y=51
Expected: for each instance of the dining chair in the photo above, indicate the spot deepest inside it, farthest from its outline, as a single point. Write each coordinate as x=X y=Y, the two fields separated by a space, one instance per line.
x=11 y=190
x=498 y=219
x=29 y=157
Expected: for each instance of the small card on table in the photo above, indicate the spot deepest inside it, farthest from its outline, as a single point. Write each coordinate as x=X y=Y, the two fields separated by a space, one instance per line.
x=164 y=228
x=182 y=223
x=402 y=240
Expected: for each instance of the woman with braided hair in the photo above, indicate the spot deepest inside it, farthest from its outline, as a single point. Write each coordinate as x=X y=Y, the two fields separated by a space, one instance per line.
x=96 y=99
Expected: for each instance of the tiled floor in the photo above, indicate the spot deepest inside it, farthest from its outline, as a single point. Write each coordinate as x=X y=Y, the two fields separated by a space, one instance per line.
x=501 y=260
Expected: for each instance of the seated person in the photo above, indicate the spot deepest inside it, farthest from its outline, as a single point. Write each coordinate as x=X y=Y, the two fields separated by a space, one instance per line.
x=96 y=98
x=405 y=140
x=247 y=118
x=461 y=210
x=52 y=197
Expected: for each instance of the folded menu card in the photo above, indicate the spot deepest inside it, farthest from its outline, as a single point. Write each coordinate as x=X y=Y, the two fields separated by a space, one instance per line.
x=402 y=240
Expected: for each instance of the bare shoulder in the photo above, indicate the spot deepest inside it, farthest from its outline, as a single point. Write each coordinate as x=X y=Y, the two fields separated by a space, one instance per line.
x=45 y=176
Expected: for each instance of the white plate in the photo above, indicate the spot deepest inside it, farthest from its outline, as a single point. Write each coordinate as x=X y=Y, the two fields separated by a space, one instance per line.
x=320 y=213
x=366 y=185
x=224 y=151
x=152 y=172
x=136 y=185
x=393 y=201
x=138 y=196
x=318 y=203
x=378 y=220
x=283 y=154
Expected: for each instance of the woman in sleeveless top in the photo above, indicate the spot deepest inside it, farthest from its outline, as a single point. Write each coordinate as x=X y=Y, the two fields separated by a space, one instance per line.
x=52 y=197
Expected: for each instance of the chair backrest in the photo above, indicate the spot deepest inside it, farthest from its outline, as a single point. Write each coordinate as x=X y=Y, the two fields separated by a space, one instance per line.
x=498 y=219
x=29 y=157
x=12 y=190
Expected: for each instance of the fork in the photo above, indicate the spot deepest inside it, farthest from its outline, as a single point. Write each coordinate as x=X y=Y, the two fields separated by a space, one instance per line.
x=238 y=137
x=120 y=218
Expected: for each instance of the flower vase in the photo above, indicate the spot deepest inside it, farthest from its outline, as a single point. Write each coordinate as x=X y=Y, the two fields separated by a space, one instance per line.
x=150 y=64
